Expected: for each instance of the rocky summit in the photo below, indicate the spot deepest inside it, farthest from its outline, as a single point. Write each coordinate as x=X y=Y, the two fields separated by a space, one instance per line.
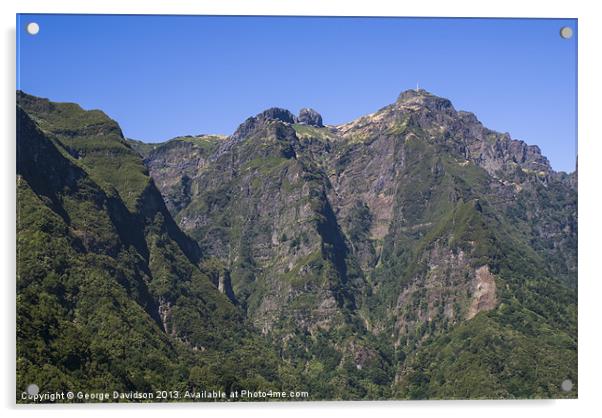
x=310 y=117
x=411 y=253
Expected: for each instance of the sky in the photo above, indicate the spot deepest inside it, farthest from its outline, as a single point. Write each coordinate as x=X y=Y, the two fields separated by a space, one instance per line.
x=166 y=76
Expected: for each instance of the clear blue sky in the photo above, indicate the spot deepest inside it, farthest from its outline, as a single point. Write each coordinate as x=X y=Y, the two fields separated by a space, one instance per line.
x=164 y=76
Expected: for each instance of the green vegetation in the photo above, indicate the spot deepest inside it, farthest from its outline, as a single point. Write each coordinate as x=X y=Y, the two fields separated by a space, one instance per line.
x=308 y=131
x=110 y=300
x=143 y=148
x=95 y=141
x=388 y=263
x=489 y=358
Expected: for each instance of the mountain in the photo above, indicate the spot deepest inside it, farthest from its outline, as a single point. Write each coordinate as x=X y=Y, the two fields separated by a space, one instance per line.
x=411 y=253
x=110 y=292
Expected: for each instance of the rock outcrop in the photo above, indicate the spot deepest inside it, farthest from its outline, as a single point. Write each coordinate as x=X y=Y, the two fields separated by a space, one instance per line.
x=271 y=114
x=310 y=117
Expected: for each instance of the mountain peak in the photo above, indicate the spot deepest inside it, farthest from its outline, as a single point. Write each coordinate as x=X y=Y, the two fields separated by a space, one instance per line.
x=308 y=116
x=412 y=93
x=252 y=123
x=277 y=113
x=423 y=97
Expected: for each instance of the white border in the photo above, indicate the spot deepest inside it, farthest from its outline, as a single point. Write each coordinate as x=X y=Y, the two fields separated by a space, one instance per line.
x=590 y=233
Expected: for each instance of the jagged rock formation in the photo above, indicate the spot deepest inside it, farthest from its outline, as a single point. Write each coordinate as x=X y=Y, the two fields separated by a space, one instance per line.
x=310 y=117
x=272 y=114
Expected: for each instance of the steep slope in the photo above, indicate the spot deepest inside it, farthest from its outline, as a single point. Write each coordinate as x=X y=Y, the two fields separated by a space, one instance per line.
x=109 y=293
x=261 y=209
x=459 y=220
x=365 y=246
x=172 y=173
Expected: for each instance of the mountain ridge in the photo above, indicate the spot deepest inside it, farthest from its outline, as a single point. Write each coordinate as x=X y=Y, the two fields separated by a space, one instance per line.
x=400 y=194
x=364 y=253
x=111 y=295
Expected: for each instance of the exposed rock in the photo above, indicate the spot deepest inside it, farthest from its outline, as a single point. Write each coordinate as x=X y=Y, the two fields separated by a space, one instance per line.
x=276 y=113
x=422 y=97
x=172 y=173
x=224 y=284
x=483 y=292
x=310 y=117
x=436 y=296
x=165 y=314
x=252 y=123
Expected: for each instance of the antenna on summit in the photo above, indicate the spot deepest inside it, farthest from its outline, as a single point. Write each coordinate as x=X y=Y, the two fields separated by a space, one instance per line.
x=417 y=86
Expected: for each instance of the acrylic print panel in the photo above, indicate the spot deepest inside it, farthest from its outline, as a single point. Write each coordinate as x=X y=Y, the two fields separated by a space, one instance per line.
x=295 y=208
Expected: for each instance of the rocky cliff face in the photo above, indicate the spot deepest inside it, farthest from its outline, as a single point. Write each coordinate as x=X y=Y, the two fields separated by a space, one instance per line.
x=309 y=116
x=397 y=225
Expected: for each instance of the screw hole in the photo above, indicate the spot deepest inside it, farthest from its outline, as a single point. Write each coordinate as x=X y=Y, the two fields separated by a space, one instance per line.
x=566 y=32
x=33 y=28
